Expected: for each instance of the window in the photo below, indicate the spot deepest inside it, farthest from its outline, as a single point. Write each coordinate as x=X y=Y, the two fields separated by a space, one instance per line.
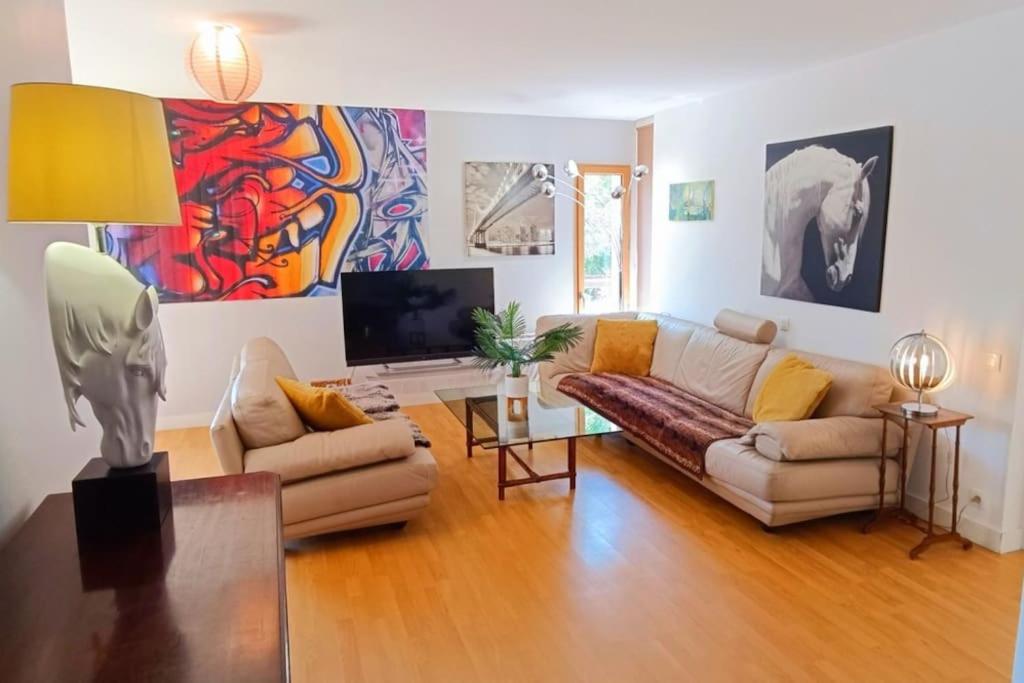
x=602 y=240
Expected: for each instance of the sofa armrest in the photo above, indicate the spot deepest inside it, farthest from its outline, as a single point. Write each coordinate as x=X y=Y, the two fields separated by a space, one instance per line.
x=823 y=439
x=319 y=453
x=227 y=444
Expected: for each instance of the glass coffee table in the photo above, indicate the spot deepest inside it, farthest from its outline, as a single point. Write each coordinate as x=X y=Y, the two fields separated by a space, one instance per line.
x=550 y=416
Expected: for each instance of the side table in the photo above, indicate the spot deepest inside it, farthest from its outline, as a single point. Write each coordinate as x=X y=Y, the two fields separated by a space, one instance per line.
x=943 y=419
x=202 y=599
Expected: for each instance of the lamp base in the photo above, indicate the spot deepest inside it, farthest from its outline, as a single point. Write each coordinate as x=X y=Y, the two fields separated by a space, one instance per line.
x=919 y=409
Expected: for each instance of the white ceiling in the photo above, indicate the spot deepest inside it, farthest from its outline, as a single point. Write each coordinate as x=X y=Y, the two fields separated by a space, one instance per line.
x=597 y=59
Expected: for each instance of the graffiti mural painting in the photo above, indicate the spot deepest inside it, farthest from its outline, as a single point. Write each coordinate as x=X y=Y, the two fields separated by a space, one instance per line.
x=278 y=199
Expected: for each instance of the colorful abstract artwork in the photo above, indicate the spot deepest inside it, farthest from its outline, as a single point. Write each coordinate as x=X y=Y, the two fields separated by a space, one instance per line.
x=692 y=201
x=278 y=199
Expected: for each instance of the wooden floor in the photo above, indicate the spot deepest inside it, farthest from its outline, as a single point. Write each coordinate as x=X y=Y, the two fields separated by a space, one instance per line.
x=641 y=575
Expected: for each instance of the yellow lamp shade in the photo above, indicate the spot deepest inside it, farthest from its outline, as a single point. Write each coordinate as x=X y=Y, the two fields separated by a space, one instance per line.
x=81 y=154
x=223 y=65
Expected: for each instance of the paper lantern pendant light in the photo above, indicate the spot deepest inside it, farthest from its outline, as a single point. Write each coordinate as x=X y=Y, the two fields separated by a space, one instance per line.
x=223 y=65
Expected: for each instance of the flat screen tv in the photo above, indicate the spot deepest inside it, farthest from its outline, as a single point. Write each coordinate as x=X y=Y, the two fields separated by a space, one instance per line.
x=412 y=315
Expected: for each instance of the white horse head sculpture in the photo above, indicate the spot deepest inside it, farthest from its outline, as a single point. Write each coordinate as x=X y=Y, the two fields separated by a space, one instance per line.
x=109 y=347
x=810 y=183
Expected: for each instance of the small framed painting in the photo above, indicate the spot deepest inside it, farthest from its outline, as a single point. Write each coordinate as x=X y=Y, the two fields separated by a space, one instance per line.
x=692 y=201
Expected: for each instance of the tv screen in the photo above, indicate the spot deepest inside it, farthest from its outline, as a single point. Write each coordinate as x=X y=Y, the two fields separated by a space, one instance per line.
x=412 y=315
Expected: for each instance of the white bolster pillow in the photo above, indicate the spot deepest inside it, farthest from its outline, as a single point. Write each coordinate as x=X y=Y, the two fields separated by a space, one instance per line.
x=745 y=327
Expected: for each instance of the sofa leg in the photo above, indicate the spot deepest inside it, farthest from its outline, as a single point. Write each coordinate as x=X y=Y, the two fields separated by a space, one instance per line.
x=769 y=529
x=396 y=526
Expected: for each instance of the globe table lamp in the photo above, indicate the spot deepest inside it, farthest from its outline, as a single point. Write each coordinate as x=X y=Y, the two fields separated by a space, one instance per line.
x=82 y=154
x=921 y=363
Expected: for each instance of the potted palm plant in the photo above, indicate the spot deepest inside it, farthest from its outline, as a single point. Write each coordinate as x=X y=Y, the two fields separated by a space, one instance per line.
x=501 y=342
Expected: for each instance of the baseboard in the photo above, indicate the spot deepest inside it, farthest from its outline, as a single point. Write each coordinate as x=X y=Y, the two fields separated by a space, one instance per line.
x=183 y=421
x=982 y=534
x=1012 y=541
x=417 y=398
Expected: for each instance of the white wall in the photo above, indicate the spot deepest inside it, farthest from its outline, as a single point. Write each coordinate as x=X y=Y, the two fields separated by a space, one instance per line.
x=955 y=233
x=38 y=452
x=202 y=338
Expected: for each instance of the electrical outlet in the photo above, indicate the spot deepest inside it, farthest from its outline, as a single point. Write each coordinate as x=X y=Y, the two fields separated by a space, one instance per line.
x=974 y=496
x=784 y=324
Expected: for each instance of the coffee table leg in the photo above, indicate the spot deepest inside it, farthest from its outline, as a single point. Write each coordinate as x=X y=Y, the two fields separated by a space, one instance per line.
x=469 y=431
x=571 y=444
x=502 y=455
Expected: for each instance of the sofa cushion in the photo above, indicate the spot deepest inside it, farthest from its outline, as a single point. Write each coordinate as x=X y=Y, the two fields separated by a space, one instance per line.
x=578 y=358
x=824 y=438
x=322 y=408
x=719 y=368
x=624 y=346
x=746 y=469
x=263 y=414
x=359 y=488
x=792 y=391
x=673 y=335
x=856 y=387
x=318 y=453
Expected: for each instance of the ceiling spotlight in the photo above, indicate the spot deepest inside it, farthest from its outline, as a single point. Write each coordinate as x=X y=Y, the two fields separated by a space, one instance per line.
x=640 y=170
x=539 y=172
x=222 y=64
x=618 y=192
x=572 y=169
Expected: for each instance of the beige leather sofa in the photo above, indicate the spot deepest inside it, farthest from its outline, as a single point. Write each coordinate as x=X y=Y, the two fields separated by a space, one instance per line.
x=780 y=473
x=364 y=476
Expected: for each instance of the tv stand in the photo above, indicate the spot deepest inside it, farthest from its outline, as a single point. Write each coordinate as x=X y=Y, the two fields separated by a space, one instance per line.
x=420 y=366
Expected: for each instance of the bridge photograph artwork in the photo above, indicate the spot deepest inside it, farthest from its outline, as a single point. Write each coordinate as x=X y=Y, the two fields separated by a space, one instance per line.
x=506 y=214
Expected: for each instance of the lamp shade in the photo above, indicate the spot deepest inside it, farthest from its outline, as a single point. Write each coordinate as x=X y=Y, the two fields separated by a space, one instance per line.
x=223 y=65
x=921 y=362
x=81 y=154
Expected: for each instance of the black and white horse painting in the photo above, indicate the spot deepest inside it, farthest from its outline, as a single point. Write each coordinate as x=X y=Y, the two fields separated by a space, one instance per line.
x=826 y=201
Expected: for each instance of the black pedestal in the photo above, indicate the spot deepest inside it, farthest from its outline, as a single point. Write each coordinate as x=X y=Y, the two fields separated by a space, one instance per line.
x=115 y=504
x=128 y=562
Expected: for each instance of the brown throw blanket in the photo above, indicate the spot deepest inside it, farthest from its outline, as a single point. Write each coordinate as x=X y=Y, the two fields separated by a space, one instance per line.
x=377 y=401
x=676 y=424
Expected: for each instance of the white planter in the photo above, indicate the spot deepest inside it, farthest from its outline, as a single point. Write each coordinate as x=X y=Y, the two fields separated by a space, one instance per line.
x=517 y=387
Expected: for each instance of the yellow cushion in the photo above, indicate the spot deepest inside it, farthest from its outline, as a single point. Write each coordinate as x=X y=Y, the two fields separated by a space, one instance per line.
x=624 y=346
x=325 y=410
x=791 y=391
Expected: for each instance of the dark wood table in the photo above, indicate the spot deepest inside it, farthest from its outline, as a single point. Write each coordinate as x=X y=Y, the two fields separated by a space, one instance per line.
x=943 y=419
x=204 y=600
